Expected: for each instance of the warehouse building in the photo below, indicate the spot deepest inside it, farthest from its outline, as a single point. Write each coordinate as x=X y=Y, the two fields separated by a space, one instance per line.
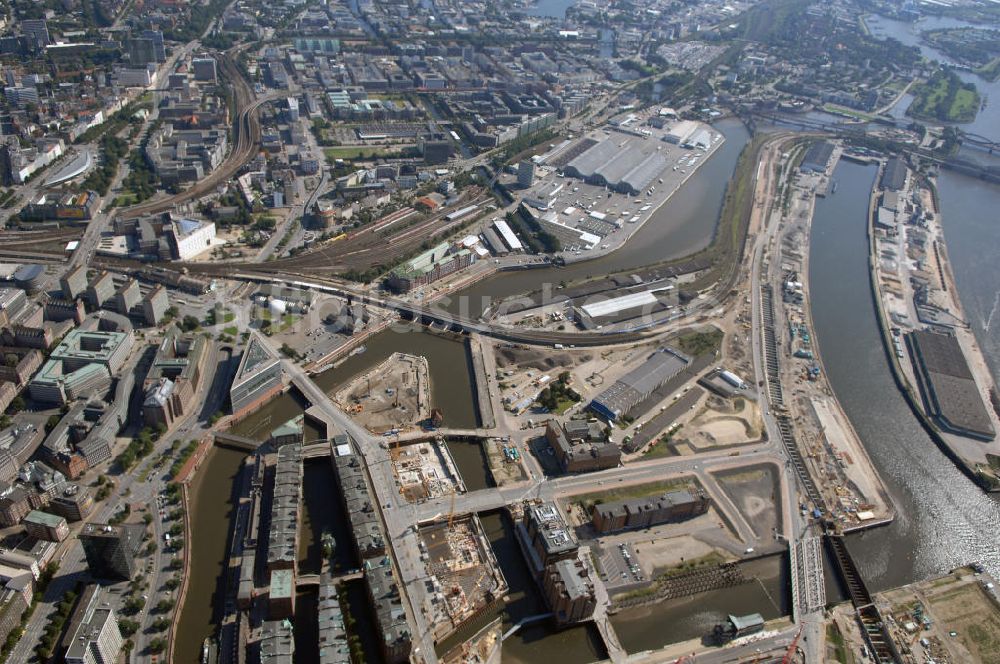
x=569 y=591
x=596 y=314
x=635 y=387
x=948 y=388
x=581 y=446
x=817 y=158
x=647 y=512
x=627 y=164
x=894 y=175
x=282 y=543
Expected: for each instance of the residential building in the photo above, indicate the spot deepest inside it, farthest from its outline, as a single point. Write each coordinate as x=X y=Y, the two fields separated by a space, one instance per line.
x=13 y=305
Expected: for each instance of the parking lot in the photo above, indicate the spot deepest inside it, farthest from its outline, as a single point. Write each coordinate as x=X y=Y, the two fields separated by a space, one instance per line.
x=620 y=567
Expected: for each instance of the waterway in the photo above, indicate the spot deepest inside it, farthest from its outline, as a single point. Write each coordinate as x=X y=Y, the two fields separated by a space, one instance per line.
x=943 y=519
x=657 y=625
x=534 y=643
x=682 y=226
x=452 y=388
x=210 y=509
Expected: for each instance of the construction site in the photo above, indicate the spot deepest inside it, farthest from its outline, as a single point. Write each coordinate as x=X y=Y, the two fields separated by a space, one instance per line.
x=393 y=395
x=949 y=619
x=463 y=577
x=830 y=449
x=425 y=470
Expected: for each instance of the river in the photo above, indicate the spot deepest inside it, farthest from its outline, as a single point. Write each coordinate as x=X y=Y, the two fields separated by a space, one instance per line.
x=943 y=519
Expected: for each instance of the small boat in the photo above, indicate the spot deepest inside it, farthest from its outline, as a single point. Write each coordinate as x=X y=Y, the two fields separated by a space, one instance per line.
x=358 y=350
x=834 y=189
x=329 y=545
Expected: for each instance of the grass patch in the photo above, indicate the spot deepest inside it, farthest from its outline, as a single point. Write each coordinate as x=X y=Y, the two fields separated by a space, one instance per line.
x=990 y=71
x=231 y=331
x=700 y=343
x=945 y=98
x=836 y=648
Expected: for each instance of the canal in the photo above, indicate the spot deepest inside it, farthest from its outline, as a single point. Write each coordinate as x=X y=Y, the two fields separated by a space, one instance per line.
x=657 y=625
x=943 y=519
x=534 y=643
x=210 y=509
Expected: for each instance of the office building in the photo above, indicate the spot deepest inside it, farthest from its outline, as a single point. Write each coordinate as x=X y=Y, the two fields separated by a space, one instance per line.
x=257 y=379
x=38 y=30
x=127 y=297
x=45 y=526
x=100 y=290
x=525 y=174
x=74 y=503
x=110 y=550
x=13 y=305
x=549 y=538
x=174 y=378
x=155 y=305
x=637 y=385
x=74 y=283
x=93 y=636
x=81 y=365
x=204 y=69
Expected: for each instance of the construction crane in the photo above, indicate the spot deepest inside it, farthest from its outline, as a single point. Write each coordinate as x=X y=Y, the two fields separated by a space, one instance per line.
x=787 y=659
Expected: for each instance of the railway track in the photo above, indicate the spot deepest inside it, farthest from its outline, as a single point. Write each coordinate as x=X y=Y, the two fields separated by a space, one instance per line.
x=246 y=137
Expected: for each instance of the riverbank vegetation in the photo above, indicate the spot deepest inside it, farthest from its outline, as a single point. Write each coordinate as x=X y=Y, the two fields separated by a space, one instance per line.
x=977 y=48
x=945 y=98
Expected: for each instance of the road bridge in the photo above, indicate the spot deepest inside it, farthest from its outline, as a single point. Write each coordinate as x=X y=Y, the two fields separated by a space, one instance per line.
x=963 y=166
x=233 y=441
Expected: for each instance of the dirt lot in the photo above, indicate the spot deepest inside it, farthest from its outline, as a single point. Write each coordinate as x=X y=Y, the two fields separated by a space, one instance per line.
x=756 y=493
x=722 y=423
x=969 y=612
x=392 y=395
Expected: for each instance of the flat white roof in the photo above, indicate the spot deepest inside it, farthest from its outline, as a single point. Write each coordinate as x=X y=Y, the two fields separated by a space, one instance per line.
x=614 y=305
x=508 y=235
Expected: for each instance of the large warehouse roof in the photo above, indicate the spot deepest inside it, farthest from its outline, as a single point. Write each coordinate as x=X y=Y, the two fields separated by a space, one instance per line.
x=635 y=386
x=613 y=306
x=620 y=160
